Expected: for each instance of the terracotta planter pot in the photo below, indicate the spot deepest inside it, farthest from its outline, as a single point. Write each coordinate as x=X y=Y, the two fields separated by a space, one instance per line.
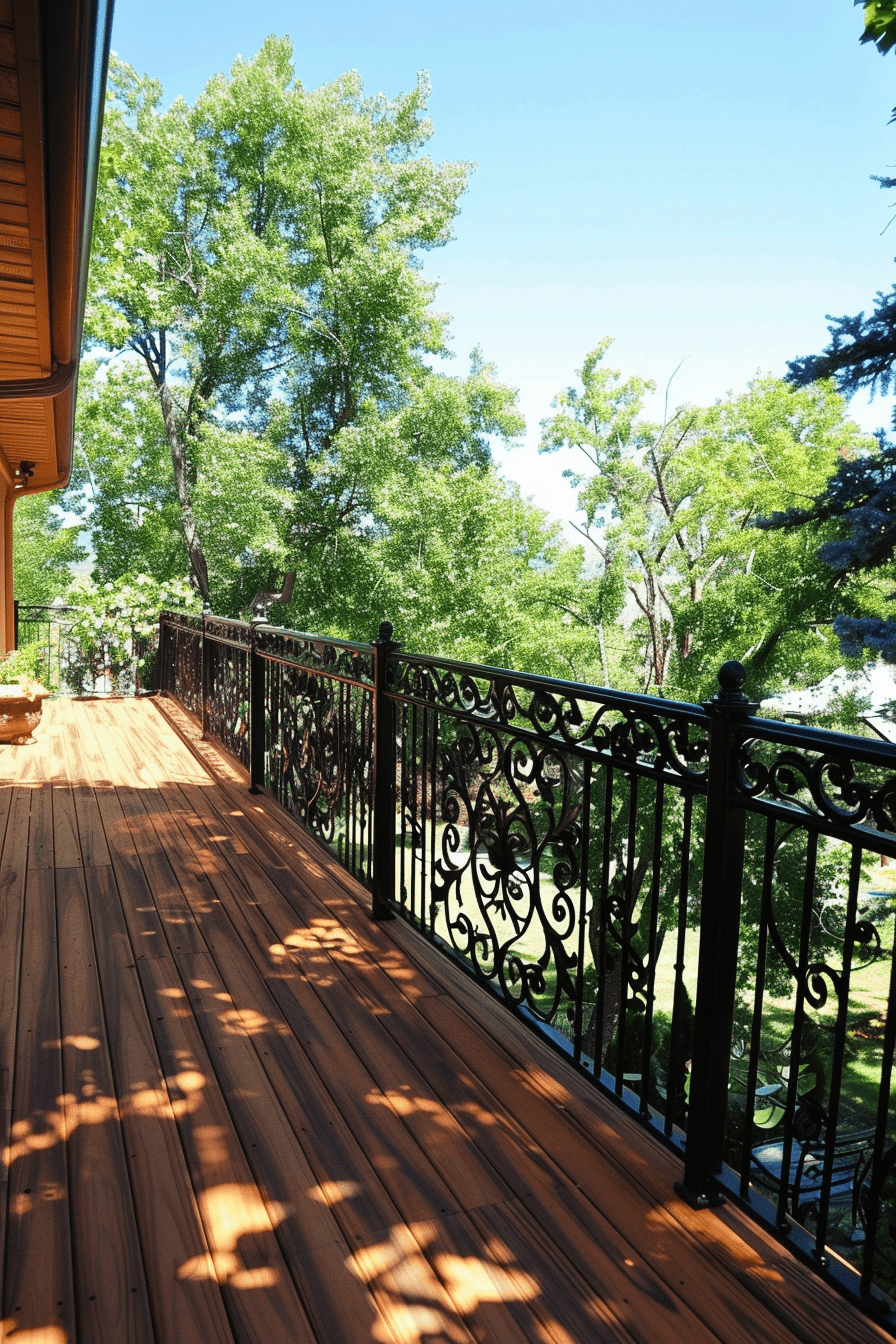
x=20 y=707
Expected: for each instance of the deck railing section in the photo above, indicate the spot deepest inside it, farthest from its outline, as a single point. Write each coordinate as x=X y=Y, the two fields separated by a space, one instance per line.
x=295 y=710
x=685 y=900
x=811 y=1077
x=545 y=838
x=317 y=752
x=179 y=669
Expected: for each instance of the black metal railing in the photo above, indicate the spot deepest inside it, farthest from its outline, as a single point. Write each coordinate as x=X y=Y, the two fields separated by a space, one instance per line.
x=44 y=630
x=687 y=901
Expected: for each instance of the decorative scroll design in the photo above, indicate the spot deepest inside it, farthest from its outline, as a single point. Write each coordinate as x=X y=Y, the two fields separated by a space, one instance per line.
x=829 y=786
x=146 y=652
x=320 y=758
x=333 y=657
x=513 y=922
x=227 y=697
x=223 y=631
x=184 y=671
x=181 y=620
x=630 y=730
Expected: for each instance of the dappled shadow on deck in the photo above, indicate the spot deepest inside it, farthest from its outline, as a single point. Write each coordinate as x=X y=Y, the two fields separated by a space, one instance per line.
x=234 y=1109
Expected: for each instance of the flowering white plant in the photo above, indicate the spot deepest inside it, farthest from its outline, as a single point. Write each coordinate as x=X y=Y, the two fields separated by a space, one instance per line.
x=109 y=616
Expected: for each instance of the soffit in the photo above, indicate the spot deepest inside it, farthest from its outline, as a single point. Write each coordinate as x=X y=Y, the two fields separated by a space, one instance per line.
x=52 y=72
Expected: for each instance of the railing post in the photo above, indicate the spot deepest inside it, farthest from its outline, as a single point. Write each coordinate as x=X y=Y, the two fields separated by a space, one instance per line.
x=203 y=679
x=256 y=708
x=162 y=656
x=15 y=623
x=723 y=870
x=383 y=778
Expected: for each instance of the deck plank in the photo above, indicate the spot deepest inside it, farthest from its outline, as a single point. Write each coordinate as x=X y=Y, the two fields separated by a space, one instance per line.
x=240 y=1215
x=186 y=1298
x=112 y=1295
x=38 y=1282
x=66 y=842
x=15 y=809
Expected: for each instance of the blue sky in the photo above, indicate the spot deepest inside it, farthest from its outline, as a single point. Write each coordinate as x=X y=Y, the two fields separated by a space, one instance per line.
x=692 y=180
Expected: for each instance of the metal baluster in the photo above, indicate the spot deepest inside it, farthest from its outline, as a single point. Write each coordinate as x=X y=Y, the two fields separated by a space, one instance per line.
x=256 y=708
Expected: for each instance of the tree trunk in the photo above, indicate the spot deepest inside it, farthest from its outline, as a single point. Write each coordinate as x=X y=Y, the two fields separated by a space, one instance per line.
x=190 y=531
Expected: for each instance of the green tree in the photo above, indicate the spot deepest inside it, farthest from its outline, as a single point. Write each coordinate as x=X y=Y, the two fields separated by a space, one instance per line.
x=880 y=23
x=44 y=549
x=122 y=488
x=672 y=506
x=266 y=241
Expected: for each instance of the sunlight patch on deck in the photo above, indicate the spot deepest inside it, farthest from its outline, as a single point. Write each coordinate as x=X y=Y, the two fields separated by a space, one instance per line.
x=333 y=1192
x=230 y=1212
x=44 y=1334
x=447 y=1289
x=44 y=1129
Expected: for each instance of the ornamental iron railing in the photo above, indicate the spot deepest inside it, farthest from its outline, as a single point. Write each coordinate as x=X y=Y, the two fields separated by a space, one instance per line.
x=687 y=901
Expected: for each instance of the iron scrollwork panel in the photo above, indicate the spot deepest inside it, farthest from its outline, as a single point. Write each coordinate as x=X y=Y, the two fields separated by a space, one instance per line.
x=629 y=730
x=320 y=758
x=187 y=669
x=812 y=1071
x=331 y=658
x=832 y=785
x=227 y=696
x=547 y=836
x=494 y=829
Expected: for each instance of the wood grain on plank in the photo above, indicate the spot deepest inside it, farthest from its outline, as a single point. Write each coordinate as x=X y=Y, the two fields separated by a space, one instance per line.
x=15 y=806
x=111 y=1290
x=240 y=1216
x=177 y=919
x=322 y=1163
x=66 y=844
x=186 y=1298
x=40 y=833
x=444 y=1178
x=38 y=1286
x=147 y=933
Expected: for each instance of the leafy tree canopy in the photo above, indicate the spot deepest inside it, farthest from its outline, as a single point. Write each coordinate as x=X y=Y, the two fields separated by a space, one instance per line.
x=880 y=23
x=266 y=241
x=44 y=549
x=269 y=402
x=860 y=501
x=669 y=510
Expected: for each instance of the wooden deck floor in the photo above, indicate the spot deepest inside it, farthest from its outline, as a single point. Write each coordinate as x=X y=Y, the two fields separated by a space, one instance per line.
x=233 y=1109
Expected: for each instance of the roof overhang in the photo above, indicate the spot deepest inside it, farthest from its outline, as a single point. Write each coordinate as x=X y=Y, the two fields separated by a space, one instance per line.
x=53 y=59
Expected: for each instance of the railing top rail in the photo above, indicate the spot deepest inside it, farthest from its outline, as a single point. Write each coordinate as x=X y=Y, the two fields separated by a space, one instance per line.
x=870 y=751
x=352 y=646
x=775 y=731
x=650 y=704
x=48 y=606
